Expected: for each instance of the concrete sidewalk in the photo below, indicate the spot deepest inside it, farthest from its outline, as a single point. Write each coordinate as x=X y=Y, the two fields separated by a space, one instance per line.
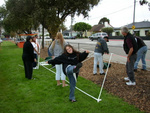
x=115 y=46
x=120 y=43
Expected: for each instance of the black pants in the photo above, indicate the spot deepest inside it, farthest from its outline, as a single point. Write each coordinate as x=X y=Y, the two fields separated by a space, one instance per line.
x=28 y=67
x=130 y=67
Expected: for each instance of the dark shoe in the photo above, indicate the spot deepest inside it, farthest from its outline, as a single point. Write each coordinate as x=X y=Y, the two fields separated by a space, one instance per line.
x=72 y=100
x=78 y=66
x=102 y=73
x=143 y=70
x=135 y=70
x=95 y=74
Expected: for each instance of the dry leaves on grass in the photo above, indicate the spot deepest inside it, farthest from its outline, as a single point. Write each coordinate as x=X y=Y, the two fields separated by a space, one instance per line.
x=138 y=95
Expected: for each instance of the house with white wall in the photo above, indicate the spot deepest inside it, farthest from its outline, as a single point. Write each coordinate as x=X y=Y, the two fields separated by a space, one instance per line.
x=141 y=29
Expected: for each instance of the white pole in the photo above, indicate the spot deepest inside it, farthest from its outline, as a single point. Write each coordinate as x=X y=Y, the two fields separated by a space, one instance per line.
x=20 y=65
x=104 y=78
x=39 y=55
x=76 y=87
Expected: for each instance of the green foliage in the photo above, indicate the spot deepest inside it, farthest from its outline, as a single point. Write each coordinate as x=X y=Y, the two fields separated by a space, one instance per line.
x=23 y=15
x=5 y=33
x=52 y=13
x=148 y=33
x=62 y=27
x=3 y=12
x=19 y=17
x=108 y=30
x=82 y=27
x=20 y=95
x=78 y=36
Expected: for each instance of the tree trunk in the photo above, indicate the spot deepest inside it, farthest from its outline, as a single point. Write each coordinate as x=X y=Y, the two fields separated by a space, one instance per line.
x=53 y=33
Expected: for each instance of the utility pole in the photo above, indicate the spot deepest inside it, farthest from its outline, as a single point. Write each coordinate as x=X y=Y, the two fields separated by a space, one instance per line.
x=71 y=23
x=133 y=27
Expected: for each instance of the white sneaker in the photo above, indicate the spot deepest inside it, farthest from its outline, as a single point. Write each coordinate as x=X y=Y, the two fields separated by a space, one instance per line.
x=34 y=67
x=130 y=83
x=126 y=78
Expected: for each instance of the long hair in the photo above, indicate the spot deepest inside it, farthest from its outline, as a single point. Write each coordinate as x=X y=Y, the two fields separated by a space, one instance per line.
x=74 y=51
x=60 y=39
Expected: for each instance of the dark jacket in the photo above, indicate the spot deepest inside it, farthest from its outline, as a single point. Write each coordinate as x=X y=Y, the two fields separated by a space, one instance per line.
x=101 y=46
x=140 y=42
x=70 y=59
x=133 y=41
x=28 y=52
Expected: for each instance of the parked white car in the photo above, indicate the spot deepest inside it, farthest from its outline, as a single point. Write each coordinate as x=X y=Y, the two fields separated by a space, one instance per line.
x=69 y=37
x=97 y=35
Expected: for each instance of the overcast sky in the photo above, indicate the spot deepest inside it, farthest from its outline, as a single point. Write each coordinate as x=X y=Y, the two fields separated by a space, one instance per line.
x=119 y=12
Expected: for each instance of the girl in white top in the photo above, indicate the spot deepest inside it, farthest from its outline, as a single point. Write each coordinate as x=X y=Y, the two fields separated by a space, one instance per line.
x=36 y=50
x=56 y=49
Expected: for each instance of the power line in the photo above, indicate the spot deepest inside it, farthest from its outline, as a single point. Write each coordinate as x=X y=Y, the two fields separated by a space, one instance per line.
x=113 y=12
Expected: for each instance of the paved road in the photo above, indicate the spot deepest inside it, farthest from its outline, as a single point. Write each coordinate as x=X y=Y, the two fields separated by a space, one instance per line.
x=115 y=47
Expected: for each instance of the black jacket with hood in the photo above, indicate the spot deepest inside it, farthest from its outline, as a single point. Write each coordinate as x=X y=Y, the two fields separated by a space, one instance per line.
x=70 y=59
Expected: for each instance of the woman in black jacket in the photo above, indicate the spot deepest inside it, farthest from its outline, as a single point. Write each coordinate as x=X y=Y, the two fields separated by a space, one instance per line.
x=28 y=57
x=71 y=60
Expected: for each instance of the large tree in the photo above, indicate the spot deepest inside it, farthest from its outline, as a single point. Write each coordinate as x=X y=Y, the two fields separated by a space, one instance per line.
x=3 y=14
x=20 y=18
x=24 y=14
x=103 y=20
x=52 y=13
x=82 y=27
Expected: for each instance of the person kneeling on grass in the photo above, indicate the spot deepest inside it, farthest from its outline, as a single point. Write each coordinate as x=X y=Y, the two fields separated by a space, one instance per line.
x=71 y=60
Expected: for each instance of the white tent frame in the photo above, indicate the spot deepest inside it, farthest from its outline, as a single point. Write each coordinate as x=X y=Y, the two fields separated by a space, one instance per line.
x=97 y=99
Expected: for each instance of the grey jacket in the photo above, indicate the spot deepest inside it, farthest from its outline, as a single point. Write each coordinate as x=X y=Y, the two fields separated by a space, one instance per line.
x=101 y=46
x=57 y=50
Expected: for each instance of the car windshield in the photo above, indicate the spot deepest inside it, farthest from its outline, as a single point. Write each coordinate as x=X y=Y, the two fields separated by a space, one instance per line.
x=104 y=34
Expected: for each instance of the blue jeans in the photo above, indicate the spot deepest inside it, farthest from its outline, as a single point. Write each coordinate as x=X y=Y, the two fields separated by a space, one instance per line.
x=141 y=55
x=72 y=81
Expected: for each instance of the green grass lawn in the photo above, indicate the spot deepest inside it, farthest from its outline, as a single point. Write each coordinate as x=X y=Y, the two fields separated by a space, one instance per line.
x=20 y=95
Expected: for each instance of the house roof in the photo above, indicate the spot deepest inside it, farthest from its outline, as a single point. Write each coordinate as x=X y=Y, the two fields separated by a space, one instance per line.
x=97 y=28
x=143 y=24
